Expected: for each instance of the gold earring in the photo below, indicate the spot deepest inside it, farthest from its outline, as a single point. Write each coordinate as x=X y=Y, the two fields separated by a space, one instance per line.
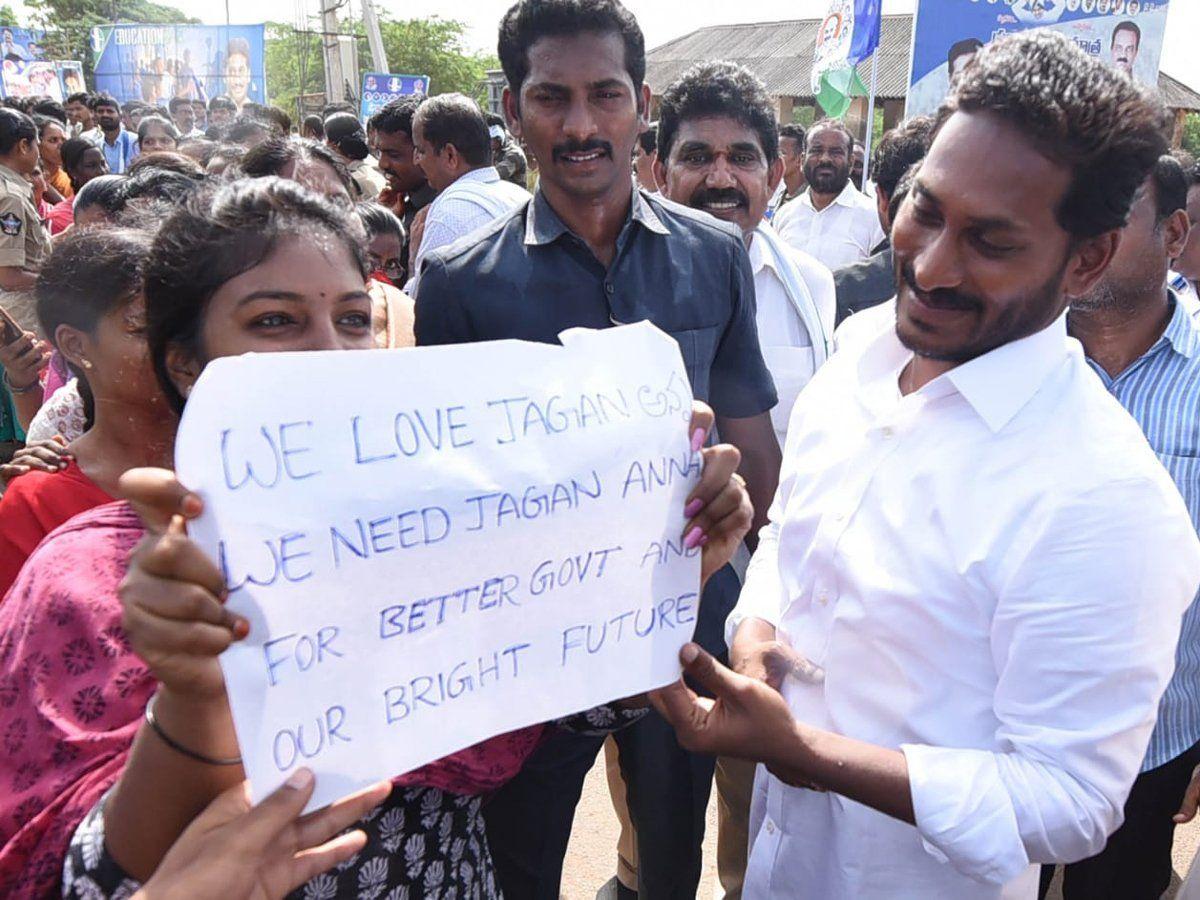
x=86 y=363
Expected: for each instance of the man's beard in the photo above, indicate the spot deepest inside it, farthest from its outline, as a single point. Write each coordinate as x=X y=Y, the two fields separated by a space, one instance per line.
x=825 y=179
x=1017 y=320
x=1112 y=295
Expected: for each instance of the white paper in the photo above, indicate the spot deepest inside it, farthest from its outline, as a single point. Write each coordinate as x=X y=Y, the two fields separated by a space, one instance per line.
x=540 y=487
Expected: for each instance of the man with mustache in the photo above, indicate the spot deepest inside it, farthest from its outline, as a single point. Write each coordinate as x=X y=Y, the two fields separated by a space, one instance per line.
x=1144 y=345
x=832 y=220
x=719 y=151
x=972 y=586
x=592 y=250
x=408 y=192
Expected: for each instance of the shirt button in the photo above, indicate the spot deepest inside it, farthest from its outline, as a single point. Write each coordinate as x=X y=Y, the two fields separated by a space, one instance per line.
x=770 y=827
x=888 y=431
x=823 y=598
x=608 y=288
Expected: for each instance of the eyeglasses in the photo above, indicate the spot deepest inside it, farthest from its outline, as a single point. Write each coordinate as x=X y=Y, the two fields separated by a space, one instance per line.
x=390 y=267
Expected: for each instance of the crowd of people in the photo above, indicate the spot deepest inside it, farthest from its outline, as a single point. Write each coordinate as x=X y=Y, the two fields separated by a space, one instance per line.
x=949 y=414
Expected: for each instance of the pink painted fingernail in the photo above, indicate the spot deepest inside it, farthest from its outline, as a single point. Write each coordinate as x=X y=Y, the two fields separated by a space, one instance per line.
x=697 y=440
x=692 y=541
x=692 y=508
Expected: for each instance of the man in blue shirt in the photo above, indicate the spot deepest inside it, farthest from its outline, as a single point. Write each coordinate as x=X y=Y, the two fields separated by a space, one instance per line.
x=591 y=250
x=119 y=146
x=1145 y=347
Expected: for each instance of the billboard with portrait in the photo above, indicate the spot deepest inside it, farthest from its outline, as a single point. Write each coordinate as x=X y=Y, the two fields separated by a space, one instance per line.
x=1125 y=33
x=154 y=63
x=70 y=76
x=381 y=88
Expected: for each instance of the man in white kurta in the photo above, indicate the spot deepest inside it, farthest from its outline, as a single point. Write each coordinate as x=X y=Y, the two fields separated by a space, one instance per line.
x=976 y=568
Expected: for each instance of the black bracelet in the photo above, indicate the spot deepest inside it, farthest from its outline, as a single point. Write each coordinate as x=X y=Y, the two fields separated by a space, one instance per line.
x=178 y=747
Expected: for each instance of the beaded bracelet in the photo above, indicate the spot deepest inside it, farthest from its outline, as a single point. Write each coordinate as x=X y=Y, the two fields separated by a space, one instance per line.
x=178 y=747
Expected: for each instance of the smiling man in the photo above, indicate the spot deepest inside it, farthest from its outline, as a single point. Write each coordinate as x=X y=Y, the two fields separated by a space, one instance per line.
x=591 y=250
x=832 y=220
x=972 y=585
x=719 y=151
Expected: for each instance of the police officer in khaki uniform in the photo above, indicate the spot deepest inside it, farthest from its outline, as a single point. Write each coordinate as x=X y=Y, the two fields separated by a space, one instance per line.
x=24 y=242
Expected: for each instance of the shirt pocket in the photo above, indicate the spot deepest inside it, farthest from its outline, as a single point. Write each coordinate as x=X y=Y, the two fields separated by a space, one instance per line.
x=698 y=346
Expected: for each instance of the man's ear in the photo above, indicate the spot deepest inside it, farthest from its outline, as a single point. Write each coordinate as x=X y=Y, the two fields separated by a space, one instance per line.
x=660 y=173
x=512 y=111
x=774 y=175
x=1088 y=263
x=644 y=108
x=1176 y=229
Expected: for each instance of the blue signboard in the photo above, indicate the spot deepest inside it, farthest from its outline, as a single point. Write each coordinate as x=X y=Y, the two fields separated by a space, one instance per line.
x=154 y=63
x=381 y=88
x=1126 y=33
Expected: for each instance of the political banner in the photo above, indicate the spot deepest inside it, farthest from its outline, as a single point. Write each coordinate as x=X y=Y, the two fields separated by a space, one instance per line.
x=31 y=78
x=70 y=76
x=381 y=88
x=946 y=33
x=21 y=44
x=154 y=63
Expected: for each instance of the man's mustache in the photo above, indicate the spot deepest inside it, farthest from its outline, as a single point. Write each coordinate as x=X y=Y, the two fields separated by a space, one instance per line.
x=705 y=196
x=582 y=147
x=940 y=298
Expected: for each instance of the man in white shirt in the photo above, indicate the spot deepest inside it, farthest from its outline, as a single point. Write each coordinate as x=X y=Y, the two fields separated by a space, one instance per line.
x=719 y=151
x=453 y=148
x=832 y=220
x=971 y=588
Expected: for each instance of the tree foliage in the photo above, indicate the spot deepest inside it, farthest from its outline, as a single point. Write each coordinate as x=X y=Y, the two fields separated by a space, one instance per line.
x=1191 y=134
x=433 y=46
x=68 y=23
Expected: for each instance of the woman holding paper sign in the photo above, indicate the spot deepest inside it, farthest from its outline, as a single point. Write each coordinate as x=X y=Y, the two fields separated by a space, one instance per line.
x=103 y=777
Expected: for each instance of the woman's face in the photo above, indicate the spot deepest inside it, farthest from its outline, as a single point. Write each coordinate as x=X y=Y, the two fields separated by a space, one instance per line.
x=157 y=140
x=117 y=359
x=91 y=165
x=308 y=294
x=386 y=255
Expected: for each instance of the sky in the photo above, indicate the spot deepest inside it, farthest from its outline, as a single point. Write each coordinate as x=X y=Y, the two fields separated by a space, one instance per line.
x=661 y=20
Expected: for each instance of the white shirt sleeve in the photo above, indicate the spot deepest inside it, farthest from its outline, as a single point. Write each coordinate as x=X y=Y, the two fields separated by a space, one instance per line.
x=1075 y=717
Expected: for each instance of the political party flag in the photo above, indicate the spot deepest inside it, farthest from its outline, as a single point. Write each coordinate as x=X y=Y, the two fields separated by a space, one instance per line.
x=848 y=35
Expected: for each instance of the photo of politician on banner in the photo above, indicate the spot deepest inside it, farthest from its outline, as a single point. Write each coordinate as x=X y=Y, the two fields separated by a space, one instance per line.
x=1127 y=34
x=156 y=63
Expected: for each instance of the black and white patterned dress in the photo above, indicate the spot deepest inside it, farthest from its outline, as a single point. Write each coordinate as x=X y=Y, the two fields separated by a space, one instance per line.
x=422 y=844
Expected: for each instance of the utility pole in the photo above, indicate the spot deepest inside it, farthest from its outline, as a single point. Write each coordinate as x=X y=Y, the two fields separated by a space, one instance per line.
x=374 y=38
x=335 y=81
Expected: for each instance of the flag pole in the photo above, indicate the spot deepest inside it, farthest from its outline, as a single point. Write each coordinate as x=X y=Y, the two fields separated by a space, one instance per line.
x=870 y=117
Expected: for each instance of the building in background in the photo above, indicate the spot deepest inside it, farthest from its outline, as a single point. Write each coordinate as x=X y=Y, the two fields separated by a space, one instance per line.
x=781 y=54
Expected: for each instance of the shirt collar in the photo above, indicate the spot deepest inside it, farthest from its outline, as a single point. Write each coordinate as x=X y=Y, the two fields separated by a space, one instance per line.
x=997 y=384
x=543 y=226
x=760 y=258
x=1182 y=331
x=845 y=198
x=484 y=175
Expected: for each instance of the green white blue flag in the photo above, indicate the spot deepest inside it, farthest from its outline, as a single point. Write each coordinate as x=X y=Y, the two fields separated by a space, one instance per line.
x=848 y=35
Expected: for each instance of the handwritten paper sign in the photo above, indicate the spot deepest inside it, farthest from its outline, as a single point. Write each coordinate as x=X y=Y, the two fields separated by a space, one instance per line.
x=439 y=545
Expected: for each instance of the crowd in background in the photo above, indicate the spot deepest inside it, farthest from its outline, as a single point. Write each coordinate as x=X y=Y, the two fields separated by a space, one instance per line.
x=949 y=411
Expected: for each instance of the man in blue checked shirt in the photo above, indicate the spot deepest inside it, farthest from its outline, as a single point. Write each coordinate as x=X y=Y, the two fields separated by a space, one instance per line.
x=1145 y=346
